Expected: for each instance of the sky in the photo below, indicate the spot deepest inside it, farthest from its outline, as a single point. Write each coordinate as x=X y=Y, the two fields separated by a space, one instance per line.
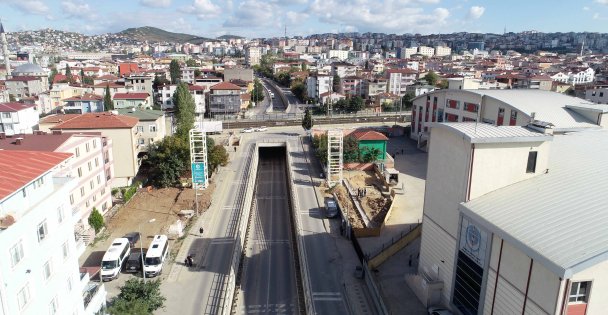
x=268 y=18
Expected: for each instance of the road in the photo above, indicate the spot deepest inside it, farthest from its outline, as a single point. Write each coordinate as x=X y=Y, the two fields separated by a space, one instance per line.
x=277 y=103
x=268 y=281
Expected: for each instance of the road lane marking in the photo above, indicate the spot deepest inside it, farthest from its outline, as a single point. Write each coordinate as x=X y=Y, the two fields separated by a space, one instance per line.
x=327 y=296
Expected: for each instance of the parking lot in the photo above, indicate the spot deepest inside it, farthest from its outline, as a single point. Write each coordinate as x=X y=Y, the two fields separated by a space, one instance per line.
x=150 y=213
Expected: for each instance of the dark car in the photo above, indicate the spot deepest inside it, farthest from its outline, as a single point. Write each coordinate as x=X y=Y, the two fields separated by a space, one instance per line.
x=133 y=263
x=133 y=238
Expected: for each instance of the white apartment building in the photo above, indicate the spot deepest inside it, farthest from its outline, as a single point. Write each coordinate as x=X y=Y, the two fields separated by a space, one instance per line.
x=188 y=74
x=599 y=96
x=152 y=126
x=399 y=79
x=575 y=77
x=501 y=107
x=40 y=271
x=441 y=51
x=408 y=52
x=317 y=85
x=338 y=54
x=426 y=51
x=18 y=118
x=500 y=206
x=197 y=91
x=253 y=55
x=343 y=69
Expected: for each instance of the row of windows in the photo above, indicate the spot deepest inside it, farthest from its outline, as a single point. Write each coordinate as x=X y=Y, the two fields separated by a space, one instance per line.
x=151 y=128
x=87 y=146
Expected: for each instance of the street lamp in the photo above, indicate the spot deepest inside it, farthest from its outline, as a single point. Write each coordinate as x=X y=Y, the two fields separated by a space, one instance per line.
x=141 y=250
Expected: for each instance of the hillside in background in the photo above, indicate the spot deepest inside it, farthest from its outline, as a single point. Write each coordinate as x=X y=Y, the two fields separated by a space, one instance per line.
x=153 y=34
x=225 y=37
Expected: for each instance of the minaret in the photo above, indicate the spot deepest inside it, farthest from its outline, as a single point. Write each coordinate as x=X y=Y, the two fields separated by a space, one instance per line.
x=5 y=50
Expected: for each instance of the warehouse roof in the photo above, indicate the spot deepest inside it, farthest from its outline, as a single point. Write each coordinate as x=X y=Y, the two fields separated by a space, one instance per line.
x=558 y=218
x=486 y=133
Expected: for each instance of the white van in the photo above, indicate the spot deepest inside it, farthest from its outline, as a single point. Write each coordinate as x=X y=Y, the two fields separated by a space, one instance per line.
x=115 y=256
x=156 y=255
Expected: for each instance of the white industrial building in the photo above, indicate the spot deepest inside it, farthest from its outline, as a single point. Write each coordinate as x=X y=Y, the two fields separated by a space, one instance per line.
x=39 y=272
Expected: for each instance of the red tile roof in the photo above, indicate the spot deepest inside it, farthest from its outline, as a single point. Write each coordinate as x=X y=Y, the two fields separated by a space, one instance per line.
x=57 y=118
x=225 y=86
x=14 y=107
x=18 y=168
x=193 y=87
x=46 y=142
x=110 y=84
x=107 y=77
x=62 y=77
x=131 y=96
x=368 y=135
x=402 y=71
x=105 y=120
x=23 y=78
x=85 y=97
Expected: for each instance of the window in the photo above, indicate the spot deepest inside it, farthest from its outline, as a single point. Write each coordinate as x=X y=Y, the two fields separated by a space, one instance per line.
x=77 y=152
x=6 y=115
x=60 y=214
x=71 y=199
x=23 y=297
x=42 y=231
x=140 y=128
x=82 y=191
x=90 y=166
x=141 y=141
x=69 y=284
x=65 y=249
x=80 y=172
x=53 y=306
x=96 y=162
x=88 y=203
x=46 y=270
x=601 y=94
x=24 y=192
x=87 y=147
x=152 y=128
x=94 y=197
x=531 y=167
x=16 y=253
x=94 y=143
x=579 y=292
x=91 y=184
x=103 y=191
x=98 y=179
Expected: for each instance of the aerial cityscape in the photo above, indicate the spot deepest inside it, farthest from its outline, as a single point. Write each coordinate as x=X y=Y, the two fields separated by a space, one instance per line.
x=424 y=157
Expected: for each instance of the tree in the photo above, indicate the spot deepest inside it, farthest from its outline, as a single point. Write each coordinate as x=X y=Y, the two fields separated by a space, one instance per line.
x=340 y=105
x=108 y=103
x=217 y=156
x=159 y=81
x=307 y=120
x=197 y=73
x=184 y=110
x=431 y=78
x=257 y=94
x=52 y=75
x=168 y=160
x=407 y=100
x=371 y=155
x=81 y=74
x=443 y=84
x=175 y=71
x=137 y=295
x=299 y=90
x=351 y=150
x=336 y=83
x=356 y=104
x=96 y=220
x=68 y=74
x=283 y=78
x=320 y=144
x=191 y=63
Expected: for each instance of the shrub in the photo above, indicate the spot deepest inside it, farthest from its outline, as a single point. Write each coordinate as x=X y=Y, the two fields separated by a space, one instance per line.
x=129 y=193
x=96 y=220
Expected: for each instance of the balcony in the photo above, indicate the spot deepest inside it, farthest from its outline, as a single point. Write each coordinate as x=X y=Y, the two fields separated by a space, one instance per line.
x=94 y=297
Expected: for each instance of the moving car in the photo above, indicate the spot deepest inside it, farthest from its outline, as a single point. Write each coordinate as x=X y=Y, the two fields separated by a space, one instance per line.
x=434 y=310
x=261 y=128
x=247 y=130
x=133 y=238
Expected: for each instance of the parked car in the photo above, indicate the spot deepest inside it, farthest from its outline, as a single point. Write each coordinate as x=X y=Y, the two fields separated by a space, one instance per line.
x=133 y=238
x=133 y=263
x=247 y=130
x=434 y=310
x=261 y=128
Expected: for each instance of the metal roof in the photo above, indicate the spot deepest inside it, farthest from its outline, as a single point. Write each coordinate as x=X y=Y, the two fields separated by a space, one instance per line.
x=600 y=108
x=560 y=217
x=486 y=133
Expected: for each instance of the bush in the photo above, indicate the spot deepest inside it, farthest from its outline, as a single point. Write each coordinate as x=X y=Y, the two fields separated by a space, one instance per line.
x=96 y=220
x=114 y=191
x=129 y=193
x=137 y=297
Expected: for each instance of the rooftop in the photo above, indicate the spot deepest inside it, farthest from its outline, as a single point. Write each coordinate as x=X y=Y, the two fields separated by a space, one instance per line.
x=57 y=118
x=14 y=107
x=486 y=133
x=557 y=206
x=33 y=142
x=105 y=120
x=31 y=165
x=225 y=86
x=85 y=97
x=368 y=135
x=142 y=114
x=130 y=96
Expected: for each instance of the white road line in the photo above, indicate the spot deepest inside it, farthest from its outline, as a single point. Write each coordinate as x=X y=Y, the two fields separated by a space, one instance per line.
x=327 y=296
x=270 y=241
x=214 y=242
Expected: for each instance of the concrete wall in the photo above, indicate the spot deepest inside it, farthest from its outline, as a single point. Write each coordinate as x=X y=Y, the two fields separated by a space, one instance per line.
x=597 y=304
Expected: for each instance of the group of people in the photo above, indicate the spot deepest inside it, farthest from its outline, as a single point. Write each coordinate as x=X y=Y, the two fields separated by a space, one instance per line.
x=189 y=261
x=362 y=192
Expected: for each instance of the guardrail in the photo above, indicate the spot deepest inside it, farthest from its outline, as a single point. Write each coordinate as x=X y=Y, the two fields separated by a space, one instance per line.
x=308 y=303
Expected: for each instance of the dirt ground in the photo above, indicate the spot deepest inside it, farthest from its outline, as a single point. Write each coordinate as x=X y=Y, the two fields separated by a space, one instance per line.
x=160 y=205
x=374 y=203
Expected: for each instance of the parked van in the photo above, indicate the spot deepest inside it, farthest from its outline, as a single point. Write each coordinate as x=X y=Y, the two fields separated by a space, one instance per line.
x=114 y=258
x=156 y=255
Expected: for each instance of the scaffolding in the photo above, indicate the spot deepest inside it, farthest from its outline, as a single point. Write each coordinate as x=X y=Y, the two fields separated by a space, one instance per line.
x=334 y=157
x=198 y=160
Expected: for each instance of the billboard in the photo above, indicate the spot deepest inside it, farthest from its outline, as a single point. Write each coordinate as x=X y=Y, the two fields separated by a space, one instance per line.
x=198 y=173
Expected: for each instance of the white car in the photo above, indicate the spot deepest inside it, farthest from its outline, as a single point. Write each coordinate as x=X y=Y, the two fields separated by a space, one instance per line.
x=434 y=310
x=261 y=128
x=247 y=130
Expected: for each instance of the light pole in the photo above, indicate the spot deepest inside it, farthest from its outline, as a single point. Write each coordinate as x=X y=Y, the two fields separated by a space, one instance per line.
x=141 y=250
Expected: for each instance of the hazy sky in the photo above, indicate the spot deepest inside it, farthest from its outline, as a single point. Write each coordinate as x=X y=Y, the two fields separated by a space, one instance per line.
x=259 y=18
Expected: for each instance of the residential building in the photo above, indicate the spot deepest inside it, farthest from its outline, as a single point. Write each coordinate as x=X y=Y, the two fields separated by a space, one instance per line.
x=598 y=95
x=330 y=98
x=188 y=74
x=399 y=79
x=224 y=98
x=338 y=54
x=87 y=103
x=197 y=91
x=115 y=87
x=500 y=203
x=243 y=74
x=24 y=86
x=354 y=86
x=118 y=128
x=426 y=51
x=500 y=107
x=18 y=118
x=132 y=100
x=343 y=69
x=317 y=85
x=406 y=53
x=441 y=51
x=40 y=273
x=376 y=86
x=152 y=125
x=208 y=81
x=139 y=84
x=419 y=89
x=62 y=91
x=253 y=55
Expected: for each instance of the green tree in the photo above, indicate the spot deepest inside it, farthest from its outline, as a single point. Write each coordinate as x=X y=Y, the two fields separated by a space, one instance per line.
x=108 y=103
x=299 y=90
x=340 y=105
x=320 y=144
x=168 y=160
x=257 y=94
x=68 y=74
x=175 y=71
x=407 y=100
x=431 y=78
x=52 y=75
x=159 y=81
x=371 y=155
x=283 y=78
x=197 y=73
x=351 y=150
x=96 y=220
x=388 y=106
x=134 y=294
x=356 y=104
x=307 y=120
x=82 y=75
x=336 y=83
x=443 y=84
x=217 y=156
x=184 y=110
x=191 y=63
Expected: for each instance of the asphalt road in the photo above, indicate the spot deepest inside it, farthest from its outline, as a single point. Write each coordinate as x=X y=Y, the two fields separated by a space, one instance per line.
x=277 y=102
x=268 y=282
